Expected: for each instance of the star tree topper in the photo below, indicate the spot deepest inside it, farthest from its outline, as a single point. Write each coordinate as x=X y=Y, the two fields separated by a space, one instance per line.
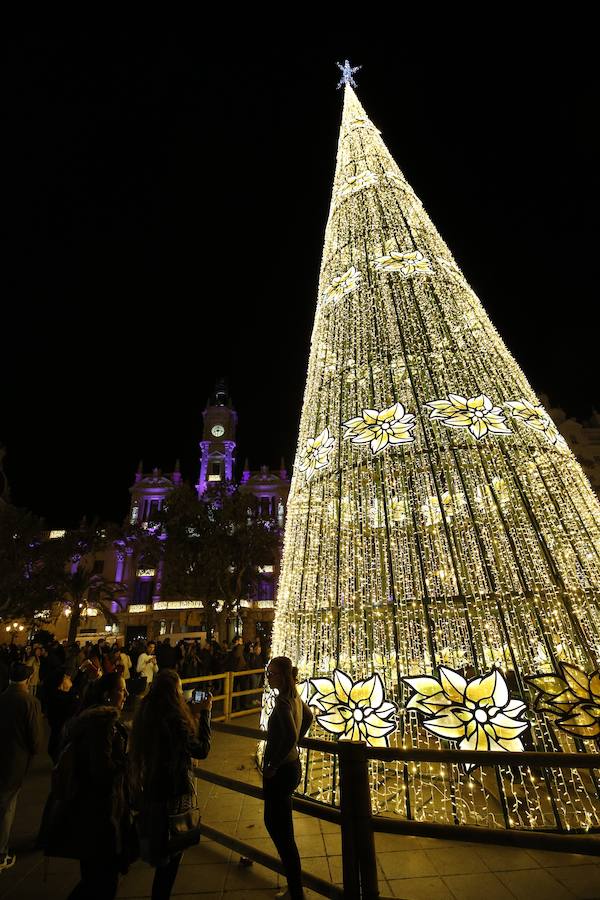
x=347 y=72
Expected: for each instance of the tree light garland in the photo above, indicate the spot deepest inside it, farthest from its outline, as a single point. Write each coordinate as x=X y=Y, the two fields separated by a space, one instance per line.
x=473 y=548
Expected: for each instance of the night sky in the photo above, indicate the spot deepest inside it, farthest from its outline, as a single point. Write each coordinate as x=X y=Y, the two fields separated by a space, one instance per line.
x=165 y=205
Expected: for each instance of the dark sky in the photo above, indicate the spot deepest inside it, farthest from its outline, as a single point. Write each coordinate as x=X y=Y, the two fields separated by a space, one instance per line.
x=165 y=204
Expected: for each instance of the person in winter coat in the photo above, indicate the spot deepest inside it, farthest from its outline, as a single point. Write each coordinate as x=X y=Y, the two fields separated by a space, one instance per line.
x=21 y=732
x=90 y=815
x=61 y=705
x=282 y=772
x=167 y=734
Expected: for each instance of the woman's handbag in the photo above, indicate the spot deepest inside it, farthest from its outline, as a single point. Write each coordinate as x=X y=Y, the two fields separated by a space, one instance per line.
x=168 y=828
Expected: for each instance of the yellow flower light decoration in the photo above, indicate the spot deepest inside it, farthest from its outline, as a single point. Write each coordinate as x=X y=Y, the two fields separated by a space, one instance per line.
x=536 y=418
x=354 y=710
x=355 y=183
x=434 y=513
x=478 y=713
x=477 y=414
x=316 y=453
x=408 y=263
x=343 y=284
x=362 y=122
x=380 y=428
x=573 y=697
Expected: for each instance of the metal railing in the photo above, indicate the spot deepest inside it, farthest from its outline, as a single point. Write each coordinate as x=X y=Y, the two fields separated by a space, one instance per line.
x=228 y=695
x=358 y=824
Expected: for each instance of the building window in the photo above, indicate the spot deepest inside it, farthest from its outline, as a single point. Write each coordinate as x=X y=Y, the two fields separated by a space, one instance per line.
x=143 y=591
x=265 y=589
x=98 y=568
x=154 y=508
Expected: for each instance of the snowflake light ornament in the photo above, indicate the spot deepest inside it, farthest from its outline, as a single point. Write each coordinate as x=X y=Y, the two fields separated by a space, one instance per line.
x=316 y=453
x=354 y=710
x=347 y=72
x=477 y=414
x=479 y=713
x=390 y=426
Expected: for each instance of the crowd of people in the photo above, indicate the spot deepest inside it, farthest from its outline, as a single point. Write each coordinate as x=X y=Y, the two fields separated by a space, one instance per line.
x=51 y=666
x=122 y=737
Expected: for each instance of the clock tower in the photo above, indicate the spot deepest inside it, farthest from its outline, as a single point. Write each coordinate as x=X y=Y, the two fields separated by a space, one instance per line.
x=217 y=447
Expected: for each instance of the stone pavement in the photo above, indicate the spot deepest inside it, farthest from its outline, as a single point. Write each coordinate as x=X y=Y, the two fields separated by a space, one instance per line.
x=412 y=868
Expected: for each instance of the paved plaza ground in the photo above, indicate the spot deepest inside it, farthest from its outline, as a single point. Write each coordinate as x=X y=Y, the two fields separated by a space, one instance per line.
x=412 y=868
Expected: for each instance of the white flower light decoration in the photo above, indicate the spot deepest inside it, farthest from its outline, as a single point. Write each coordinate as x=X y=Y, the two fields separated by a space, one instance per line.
x=268 y=705
x=355 y=183
x=316 y=453
x=536 y=418
x=479 y=713
x=477 y=414
x=390 y=426
x=433 y=511
x=408 y=263
x=342 y=285
x=354 y=710
x=362 y=122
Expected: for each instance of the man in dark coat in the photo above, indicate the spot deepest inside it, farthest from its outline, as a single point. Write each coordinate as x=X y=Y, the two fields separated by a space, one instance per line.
x=21 y=733
x=166 y=656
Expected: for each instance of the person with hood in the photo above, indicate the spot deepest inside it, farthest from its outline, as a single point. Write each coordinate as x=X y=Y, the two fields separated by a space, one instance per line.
x=90 y=814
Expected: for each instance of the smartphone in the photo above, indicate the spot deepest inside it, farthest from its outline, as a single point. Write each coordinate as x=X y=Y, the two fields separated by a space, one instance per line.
x=199 y=696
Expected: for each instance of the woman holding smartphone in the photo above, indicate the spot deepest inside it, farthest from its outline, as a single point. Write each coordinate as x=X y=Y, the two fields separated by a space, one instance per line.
x=282 y=772
x=166 y=735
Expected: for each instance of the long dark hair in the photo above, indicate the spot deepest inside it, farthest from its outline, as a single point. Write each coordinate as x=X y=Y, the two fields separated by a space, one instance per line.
x=163 y=706
x=289 y=673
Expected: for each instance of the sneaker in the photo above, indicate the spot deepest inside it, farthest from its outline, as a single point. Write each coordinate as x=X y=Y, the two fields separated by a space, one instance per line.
x=7 y=861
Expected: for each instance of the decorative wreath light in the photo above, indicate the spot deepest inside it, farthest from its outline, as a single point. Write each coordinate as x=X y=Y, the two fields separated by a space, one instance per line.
x=477 y=414
x=354 y=710
x=573 y=697
x=478 y=713
x=316 y=453
x=380 y=428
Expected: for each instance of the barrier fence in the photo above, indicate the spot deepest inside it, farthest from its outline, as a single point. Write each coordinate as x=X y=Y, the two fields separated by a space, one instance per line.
x=358 y=824
x=231 y=699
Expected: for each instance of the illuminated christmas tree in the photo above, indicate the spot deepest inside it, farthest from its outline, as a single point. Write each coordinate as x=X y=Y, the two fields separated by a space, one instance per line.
x=442 y=543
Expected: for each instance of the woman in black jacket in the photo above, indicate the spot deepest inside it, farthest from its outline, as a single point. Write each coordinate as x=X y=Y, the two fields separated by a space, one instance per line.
x=166 y=735
x=88 y=814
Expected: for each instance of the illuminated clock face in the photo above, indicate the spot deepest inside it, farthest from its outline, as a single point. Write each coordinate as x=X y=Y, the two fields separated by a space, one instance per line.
x=218 y=430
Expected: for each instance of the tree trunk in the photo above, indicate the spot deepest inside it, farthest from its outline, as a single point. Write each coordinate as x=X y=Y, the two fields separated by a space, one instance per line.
x=74 y=623
x=222 y=625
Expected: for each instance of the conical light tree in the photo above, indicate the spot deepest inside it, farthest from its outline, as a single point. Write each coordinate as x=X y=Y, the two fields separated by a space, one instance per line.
x=442 y=543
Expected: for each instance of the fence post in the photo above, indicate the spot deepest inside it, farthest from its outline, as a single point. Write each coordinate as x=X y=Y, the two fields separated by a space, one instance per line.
x=358 y=841
x=227 y=686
